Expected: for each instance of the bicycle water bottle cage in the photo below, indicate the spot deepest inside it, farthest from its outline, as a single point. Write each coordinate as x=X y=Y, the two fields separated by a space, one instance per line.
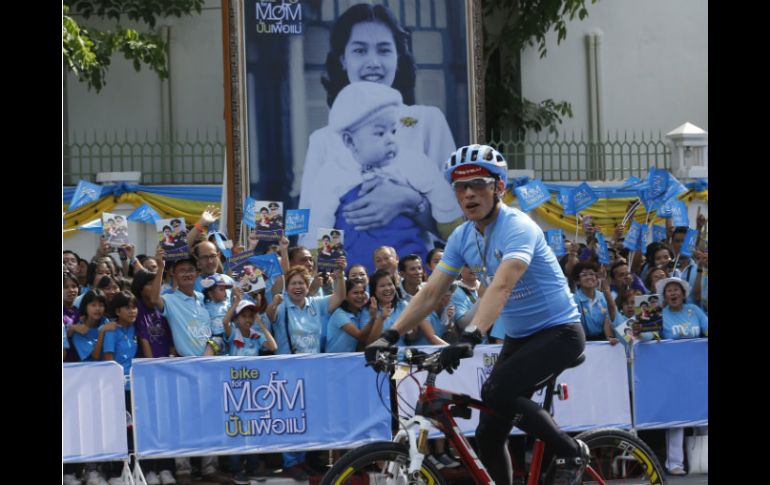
x=561 y=391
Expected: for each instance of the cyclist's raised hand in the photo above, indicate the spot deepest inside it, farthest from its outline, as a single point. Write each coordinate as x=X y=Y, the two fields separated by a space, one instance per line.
x=372 y=307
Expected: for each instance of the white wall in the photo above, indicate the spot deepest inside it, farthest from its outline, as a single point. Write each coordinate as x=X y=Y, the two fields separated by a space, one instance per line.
x=654 y=66
x=132 y=99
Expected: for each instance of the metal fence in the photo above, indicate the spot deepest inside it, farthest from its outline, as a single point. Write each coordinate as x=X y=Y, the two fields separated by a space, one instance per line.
x=191 y=159
x=562 y=158
x=199 y=158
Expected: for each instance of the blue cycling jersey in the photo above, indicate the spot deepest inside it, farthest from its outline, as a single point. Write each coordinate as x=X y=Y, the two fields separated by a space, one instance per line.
x=541 y=297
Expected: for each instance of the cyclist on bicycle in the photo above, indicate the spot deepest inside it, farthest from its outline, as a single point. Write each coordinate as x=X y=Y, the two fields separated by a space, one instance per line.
x=528 y=291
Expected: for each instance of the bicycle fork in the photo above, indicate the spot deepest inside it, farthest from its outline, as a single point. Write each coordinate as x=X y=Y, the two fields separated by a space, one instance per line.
x=415 y=430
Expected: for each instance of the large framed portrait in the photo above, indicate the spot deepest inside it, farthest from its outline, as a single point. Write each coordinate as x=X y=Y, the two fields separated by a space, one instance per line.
x=350 y=108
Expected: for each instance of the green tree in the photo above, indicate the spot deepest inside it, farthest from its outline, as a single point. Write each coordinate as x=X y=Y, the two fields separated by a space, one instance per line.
x=87 y=52
x=509 y=27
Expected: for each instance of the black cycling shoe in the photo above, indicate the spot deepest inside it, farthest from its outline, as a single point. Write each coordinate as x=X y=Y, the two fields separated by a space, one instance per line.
x=568 y=470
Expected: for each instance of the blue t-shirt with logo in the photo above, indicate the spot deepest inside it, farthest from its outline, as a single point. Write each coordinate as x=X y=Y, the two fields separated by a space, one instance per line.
x=246 y=346
x=189 y=321
x=305 y=325
x=217 y=311
x=689 y=322
x=541 y=297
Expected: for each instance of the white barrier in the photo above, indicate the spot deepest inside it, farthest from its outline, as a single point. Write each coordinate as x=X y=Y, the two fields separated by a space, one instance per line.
x=93 y=412
x=598 y=388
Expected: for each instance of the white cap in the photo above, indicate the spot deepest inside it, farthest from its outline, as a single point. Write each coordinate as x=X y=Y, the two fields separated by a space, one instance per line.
x=242 y=305
x=660 y=286
x=358 y=101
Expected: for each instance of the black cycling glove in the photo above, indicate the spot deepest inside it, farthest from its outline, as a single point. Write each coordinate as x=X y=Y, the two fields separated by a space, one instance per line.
x=451 y=355
x=473 y=338
x=387 y=339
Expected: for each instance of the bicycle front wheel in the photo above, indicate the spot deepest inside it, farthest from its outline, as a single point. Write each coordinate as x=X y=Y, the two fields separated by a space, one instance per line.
x=618 y=457
x=382 y=463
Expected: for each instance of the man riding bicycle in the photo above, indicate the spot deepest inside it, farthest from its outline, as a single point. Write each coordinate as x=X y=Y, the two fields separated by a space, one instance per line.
x=528 y=291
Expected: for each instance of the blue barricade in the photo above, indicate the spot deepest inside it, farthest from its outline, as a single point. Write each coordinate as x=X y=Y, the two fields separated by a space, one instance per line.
x=228 y=405
x=671 y=383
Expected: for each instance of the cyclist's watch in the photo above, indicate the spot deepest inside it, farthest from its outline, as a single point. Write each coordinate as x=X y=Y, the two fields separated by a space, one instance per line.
x=471 y=335
x=471 y=328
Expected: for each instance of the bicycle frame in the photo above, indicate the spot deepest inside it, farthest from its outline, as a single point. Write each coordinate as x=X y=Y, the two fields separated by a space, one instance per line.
x=439 y=407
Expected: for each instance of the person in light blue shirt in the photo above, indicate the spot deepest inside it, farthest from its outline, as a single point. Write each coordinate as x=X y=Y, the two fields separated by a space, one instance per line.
x=432 y=330
x=65 y=344
x=297 y=323
x=595 y=303
x=680 y=319
x=184 y=309
x=88 y=338
x=526 y=288
x=216 y=301
x=350 y=325
x=244 y=338
x=120 y=344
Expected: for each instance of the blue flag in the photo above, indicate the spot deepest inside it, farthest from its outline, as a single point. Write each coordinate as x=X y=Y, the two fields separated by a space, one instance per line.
x=679 y=215
x=633 y=181
x=85 y=193
x=665 y=211
x=555 y=238
x=688 y=247
x=297 y=221
x=658 y=182
x=144 y=213
x=658 y=233
x=633 y=237
x=250 y=212
x=650 y=203
x=93 y=226
x=584 y=197
x=675 y=188
x=602 y=249
x=567 y=200
x=644 y=239
x=532 y=195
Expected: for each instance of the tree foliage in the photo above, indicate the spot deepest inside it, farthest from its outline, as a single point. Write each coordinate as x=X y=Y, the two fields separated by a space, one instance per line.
x=509 y=27
x=87 y=52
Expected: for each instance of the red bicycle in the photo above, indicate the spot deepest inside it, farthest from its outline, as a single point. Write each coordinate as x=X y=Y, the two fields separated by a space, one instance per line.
x=617 y=456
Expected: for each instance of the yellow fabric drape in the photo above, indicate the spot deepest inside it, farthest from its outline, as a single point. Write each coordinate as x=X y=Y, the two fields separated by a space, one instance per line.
x=167 y=207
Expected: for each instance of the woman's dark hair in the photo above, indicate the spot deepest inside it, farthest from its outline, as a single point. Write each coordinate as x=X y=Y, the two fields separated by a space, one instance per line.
x=124 y=298
x=349 y=285
x=105 y=281
x=166 y=227
x=431 y=253
x=91 y=271
x=142 y=278
x=337 y=78
x=582 y=266
x=69 y=276
x=90 y=297
x=376 y=277
x=355 y=265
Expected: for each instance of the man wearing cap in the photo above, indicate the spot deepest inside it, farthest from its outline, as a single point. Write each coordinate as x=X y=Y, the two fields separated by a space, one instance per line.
x=189 y=321
x=365 y=116
x=527 y=290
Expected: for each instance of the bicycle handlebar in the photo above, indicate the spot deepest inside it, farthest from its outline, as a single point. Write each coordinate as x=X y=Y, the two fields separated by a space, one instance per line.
x=387 y=359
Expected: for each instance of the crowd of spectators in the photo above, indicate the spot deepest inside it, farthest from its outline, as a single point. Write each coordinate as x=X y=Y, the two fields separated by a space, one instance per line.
x=143 y=306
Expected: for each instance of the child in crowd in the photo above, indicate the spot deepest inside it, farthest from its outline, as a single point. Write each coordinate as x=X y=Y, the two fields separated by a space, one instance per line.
x=89 y=337
x=244 y=340
x=365 y=115
x=216 y=302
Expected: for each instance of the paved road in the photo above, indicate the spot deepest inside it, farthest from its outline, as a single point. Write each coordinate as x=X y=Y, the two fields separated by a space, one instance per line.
x=689 y=480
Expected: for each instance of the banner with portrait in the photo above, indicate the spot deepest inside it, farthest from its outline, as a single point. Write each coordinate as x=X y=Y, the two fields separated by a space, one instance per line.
x=351 y=109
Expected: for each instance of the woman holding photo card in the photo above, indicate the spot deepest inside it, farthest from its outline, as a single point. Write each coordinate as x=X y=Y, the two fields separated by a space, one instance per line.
x=369 y=45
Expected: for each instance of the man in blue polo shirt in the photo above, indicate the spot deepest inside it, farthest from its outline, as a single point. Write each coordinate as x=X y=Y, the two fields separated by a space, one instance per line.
x=527 y=290
x=190 y=330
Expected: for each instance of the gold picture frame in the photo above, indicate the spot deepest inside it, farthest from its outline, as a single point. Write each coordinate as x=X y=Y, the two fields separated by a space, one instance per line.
x=236 y=98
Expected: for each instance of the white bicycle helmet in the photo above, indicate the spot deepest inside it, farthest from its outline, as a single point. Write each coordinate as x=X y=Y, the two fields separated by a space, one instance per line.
x=482 y=155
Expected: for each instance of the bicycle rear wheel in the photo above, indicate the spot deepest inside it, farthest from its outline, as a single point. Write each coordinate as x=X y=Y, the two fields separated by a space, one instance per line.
x=618 y=457
x=381 y=463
